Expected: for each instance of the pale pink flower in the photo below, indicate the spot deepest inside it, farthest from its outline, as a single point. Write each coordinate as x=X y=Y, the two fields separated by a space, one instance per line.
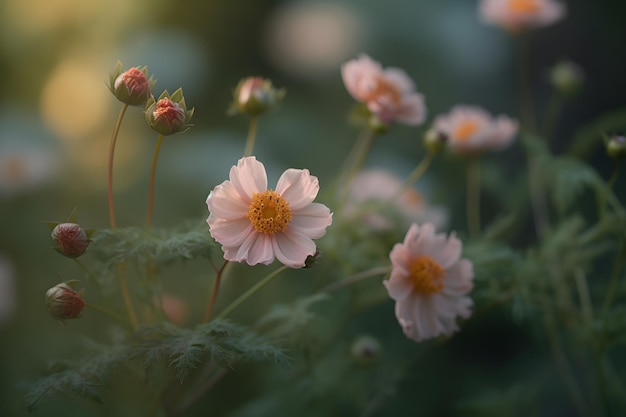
x=377 y=187
x=256 y=225
x=388 y=93
x=429 y=282
x=470 y=129
x=518 y=15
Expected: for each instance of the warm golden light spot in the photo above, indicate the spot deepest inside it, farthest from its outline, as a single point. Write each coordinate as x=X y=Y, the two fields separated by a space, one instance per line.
x=15 y=168
x=269 y=212
x=427 y=275
x=465 y=130
x=383 y=87
x=413 y=197
x=523 y=6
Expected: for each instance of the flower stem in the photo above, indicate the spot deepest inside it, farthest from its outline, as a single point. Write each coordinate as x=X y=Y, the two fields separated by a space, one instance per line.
x=417 y=173
x=132 y=316
x=214 y=291
x=89 y=273
x=525 y=86
x=610 y=183
x=152 y=179
x=617 y=269
x=105 y=311
x=116 y=130
x=473 y=197
x=353 y=279
x=243 y=297
x=254 y=121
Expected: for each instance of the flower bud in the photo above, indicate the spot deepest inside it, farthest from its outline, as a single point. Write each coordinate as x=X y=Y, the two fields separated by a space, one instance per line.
x=168 y=114
x=312 y=260
x=434 y=141
x=616 y=146
x=132 y=86
x=365 y=349
x=567 y=78
x=69 y=239
x=376 y=125
x=64 y=302
x=255 y=95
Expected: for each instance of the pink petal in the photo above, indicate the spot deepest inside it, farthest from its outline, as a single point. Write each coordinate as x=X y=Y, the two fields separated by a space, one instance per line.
x=312 y=220
x=358 y=73
x=398 y=286
x=292 y=249
x=229 y=233
x=459 y=278
x=412 y=111
x=248 y=177
x=261 y=251
x=298 y=187
x=225 y=202
x=400 y=79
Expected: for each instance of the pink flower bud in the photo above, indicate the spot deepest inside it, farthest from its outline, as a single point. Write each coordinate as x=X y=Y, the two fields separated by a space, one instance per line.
x=69 y=239
x=132 y=86
x=64 y=302
x=168 y=114
x=255 y=95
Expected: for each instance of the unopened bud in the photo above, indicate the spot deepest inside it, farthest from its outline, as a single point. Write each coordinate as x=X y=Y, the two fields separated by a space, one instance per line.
x=312 y=260
x=434 y=141
x=365 y=349
x=64 y=302
x=132 y=86
x=168 y=114
x=567 y=78
x=376 y=125
x=255 y=95
x=616 y=146
x=69 y=239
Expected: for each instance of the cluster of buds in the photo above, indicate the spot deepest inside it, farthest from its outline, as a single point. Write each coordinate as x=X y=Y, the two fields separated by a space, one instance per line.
x=132 y=86
x=65 y=303
x=168 y=114
x=255 y=95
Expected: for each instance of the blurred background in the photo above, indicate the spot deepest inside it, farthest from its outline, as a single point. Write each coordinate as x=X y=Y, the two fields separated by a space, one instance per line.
x=57 y=114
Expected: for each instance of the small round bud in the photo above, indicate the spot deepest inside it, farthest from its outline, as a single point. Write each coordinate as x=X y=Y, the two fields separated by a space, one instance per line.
x=64 y=302
x=365 y=349
x=168 y=114
x=312 y=260
x=434 y=141
x=567 y=78
x=255 y=95
x=132 y=86
x=616 y=146
x=69 y=239
x=377 y=125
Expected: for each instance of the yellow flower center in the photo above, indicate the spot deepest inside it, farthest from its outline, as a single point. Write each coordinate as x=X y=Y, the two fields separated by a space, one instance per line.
x=269 y=212
x=427 y=275
x=523 y=6
x=384 y=88
x=465 y=130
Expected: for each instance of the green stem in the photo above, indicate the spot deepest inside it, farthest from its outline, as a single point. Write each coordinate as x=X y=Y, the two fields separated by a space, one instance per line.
x=555 y=105
x=243 y=297
x=525 y=85
x=214 y=291
x=106 y=311
x=473 y=197
x=610 y=183
x=584 y=295
x=417 y=173
x=89 y=273
x=354 y=162
x=152 y=180
x=251 y=135
x=116 y=130
x=132 y=316
x=353 y=279
x=617 y=269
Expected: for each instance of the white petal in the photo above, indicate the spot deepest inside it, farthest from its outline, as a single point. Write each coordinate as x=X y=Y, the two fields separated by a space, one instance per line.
x=312 y=220
x=298 y=187
x=292 y=249
x=229 y=233
x=225 y=202
x=248 y=177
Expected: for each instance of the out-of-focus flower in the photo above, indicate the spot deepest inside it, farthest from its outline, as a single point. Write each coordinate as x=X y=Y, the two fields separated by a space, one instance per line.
x=64 y=302
x=365 y=349
x=388 y=93
x=255 y=95
x=256 y=225
x=378 y=186
x=616 y=146
x=567 y=77
x=168 y=114
x=470 y=129
x=8 y=296
x=429 y=282
x=174 y=308
x=311 y=39
x=132 y=86
x=23 y=170
x=519 y=15
x=69 y=239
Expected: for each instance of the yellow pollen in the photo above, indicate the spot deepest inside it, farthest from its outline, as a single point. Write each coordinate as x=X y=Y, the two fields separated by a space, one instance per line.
x=269 y=212
x=523 y=6
x=465 y=130
x=427 y=275
x=384 y=88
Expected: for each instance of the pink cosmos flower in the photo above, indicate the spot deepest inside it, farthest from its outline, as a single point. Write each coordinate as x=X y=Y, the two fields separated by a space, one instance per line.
x=388 y=93
x=256 y=225
x=429 y=282
x=518 y=15
x=470 y=129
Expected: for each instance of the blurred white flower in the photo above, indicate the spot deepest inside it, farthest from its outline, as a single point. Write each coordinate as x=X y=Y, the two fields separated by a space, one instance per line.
x=312 y=39
x=379 y=186
x=8 y=296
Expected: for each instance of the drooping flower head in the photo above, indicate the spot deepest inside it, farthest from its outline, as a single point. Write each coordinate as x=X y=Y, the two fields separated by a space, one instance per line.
x=429 y=282
x=388 y=93
x=132 y=86
x=256 y=224
x=519 y=15
x=470 y=129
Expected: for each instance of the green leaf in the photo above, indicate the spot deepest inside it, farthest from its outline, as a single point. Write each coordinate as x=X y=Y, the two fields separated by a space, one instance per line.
x=569 y=177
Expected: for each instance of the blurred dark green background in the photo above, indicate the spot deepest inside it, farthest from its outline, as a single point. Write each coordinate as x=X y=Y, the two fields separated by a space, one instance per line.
x=56 y=117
